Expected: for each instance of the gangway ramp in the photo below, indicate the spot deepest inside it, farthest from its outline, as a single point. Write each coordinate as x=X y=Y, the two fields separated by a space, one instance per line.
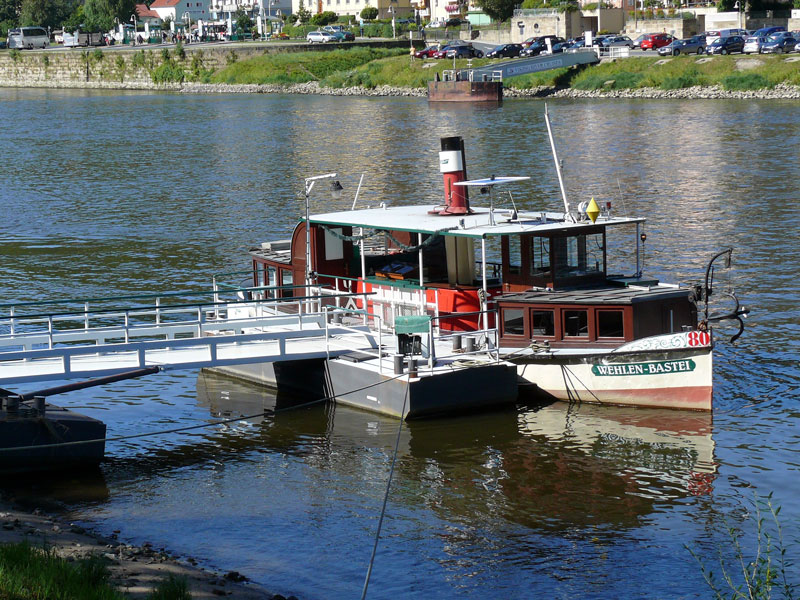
x=93 y=343
x=535 y=64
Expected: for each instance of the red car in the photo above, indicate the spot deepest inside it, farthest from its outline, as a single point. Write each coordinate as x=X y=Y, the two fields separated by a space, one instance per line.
x=427 y=52
x=654 y=41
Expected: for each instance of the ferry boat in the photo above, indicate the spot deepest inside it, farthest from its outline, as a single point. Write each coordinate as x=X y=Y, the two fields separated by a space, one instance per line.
x=574 y=330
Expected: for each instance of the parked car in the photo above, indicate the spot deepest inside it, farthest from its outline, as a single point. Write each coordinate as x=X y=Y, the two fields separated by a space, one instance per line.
x=455 y=22
x=767 y=31
x=529 y=41
x=712 y=36
x=427 y=52
x=442 y=52
x=537 y=47
x=340 y=33
x=505 y=51
x=726 y=45
x=556 y=48
x=637 y=43
x=320 y=37
x=752 y=44
x=654 y=41
x=616 y=41
x=464 y=52
x=777 y=43
x=693 y=45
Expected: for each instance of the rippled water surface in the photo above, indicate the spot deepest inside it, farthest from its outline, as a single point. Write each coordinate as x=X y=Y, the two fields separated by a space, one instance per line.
x=118 y=193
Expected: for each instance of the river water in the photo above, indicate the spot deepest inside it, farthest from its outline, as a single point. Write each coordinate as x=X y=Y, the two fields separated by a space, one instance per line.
x=110 y=193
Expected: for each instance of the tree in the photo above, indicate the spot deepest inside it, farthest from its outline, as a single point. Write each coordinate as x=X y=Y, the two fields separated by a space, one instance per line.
x=44 y=13
x=324 y=18
x=498 y=10
x=243 y=21
x=370 y=13
x=9 y=11
x=303 y=15
x=98 y=15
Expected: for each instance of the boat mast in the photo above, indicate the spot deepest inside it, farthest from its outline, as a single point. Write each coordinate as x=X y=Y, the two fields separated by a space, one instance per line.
x=567 y=214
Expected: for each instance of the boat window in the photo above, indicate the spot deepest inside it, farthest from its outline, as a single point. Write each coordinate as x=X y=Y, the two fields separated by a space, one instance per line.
x=579 y=255
x=513 y=321
x=540 y=253
x=609 y=324
x=543 y=323
x=286 y=281
x=576 y=323
x=595 y=255
x=514 y=255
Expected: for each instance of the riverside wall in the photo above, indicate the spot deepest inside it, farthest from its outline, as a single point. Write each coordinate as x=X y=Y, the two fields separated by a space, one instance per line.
x=133 y=68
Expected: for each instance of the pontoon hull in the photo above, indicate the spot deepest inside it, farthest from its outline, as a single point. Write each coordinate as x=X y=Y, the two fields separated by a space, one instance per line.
x=660 y=379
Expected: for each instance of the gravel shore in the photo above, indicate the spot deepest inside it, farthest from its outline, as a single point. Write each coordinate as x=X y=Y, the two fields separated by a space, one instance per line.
x=135 y=570
x=780 y=92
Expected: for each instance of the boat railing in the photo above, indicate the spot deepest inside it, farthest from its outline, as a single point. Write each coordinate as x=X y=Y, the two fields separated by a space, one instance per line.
x=465 y=345
x=35 y=330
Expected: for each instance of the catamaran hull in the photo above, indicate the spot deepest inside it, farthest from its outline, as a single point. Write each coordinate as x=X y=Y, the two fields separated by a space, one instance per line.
x=661 y=379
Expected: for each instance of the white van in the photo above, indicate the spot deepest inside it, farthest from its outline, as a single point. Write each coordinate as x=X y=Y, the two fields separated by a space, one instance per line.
x=28 y=37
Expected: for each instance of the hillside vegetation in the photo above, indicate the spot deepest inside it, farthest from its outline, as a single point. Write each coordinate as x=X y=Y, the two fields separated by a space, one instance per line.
x=371 y=67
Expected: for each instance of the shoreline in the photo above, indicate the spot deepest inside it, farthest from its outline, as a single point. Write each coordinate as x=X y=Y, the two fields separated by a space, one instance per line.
x=779 y=92
x=135 y=570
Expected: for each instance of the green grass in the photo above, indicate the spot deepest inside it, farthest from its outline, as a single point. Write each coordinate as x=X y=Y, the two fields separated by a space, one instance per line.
x=373 y=67
x=31 y=573
x=37 y=573
x=299 y=67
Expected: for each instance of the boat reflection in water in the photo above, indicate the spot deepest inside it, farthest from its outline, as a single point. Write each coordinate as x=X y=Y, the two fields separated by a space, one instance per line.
x=547 y=466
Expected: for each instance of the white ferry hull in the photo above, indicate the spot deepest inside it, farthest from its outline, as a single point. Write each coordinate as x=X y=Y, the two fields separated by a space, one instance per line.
x=659 y=378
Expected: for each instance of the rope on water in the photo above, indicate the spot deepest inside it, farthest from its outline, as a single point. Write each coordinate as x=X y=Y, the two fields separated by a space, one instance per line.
x=385 y=495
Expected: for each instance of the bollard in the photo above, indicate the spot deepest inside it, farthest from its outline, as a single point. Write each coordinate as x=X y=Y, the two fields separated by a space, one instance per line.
x=12 y=405
x=38 y=402
x=398 y=364
x=456 y=343
x=412 y=367
x=470 y=345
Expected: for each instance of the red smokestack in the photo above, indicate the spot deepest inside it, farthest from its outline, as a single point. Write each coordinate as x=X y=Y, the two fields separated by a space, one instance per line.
x=452 y=165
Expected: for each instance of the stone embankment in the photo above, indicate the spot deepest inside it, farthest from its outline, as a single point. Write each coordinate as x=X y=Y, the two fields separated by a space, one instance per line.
x=780 y=92
x=311 y=87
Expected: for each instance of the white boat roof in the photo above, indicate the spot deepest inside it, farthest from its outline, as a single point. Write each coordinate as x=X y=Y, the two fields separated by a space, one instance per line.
x=476 y=225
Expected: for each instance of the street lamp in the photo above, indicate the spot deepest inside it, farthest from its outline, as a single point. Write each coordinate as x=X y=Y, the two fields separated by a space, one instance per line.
x=737 y=6
x=188 y=18
x=336 y=193
x=394 y=30
x=133 y=18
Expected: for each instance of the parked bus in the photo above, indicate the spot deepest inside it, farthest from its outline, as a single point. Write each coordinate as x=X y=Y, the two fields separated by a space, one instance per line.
x=28 y=38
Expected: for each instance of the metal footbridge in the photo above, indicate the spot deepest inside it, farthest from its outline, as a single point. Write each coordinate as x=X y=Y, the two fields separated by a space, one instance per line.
x=524 y=66
x=57 y=340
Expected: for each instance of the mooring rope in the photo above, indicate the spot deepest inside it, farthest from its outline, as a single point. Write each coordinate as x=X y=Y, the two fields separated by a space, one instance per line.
x=266 y=412
x=385 y=496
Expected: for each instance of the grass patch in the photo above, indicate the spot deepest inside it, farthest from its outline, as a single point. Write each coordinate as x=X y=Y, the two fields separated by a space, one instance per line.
x=745 y=81
x=300 y=67
x=172 y=588
x=31 y=573
x=37 y=573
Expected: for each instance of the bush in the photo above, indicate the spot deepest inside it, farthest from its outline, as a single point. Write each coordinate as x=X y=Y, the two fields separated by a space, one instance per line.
x=745 y=81
x=369 y=13
x=168 y=72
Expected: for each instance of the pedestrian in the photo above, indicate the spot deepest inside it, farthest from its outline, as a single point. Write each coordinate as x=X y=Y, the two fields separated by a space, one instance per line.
x=412 y=53
x=422 y=34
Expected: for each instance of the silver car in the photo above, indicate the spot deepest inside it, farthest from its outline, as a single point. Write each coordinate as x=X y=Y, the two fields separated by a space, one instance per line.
x=692 y=45
x=752 y=44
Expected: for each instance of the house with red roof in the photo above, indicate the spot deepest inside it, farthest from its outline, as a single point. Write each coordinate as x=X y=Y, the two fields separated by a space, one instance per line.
x=181 y=11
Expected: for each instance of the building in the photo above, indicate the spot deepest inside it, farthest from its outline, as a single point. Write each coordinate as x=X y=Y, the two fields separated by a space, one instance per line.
x=180 y=11
x=400 y=8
